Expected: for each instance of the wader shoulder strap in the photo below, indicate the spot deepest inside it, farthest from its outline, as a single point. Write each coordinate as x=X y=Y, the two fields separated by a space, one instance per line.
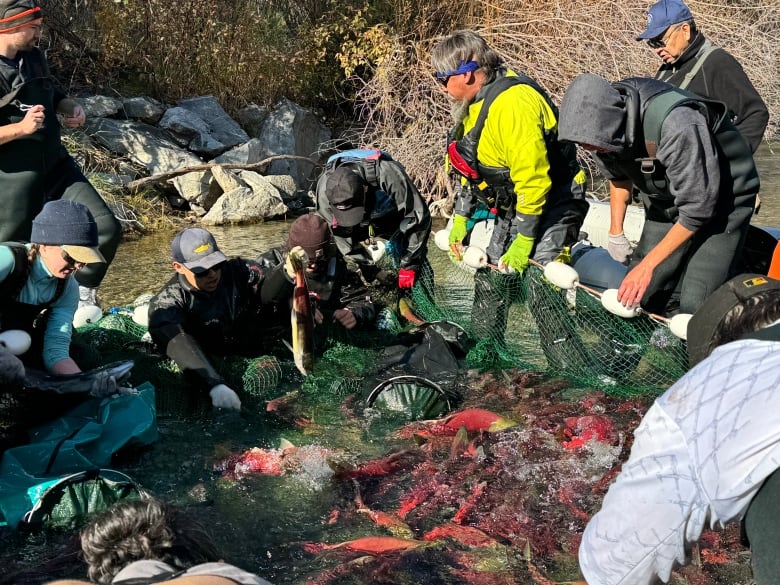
x=36 y=67
x=655 y=114
x=494 y=90
x=706 y=49
x=661 y=104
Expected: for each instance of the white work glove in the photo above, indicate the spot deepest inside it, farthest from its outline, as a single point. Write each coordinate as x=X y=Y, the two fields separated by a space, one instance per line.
x=224 y=397
x=619 y=248
x=295 y=257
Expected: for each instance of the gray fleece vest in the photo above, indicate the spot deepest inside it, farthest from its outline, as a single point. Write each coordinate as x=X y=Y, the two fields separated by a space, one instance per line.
x=648 y=102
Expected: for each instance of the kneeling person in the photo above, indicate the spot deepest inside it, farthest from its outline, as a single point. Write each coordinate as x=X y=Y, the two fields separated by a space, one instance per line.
x=38 y=291
x=215 y=305
x=341 y=295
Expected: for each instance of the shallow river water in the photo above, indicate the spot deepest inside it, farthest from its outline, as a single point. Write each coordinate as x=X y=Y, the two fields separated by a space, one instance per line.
x=259 y=521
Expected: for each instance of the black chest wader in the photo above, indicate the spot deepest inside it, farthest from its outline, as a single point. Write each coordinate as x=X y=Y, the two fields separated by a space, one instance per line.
x=24 y=162
x=37 y=168
x=712 y=256
x=556 y=228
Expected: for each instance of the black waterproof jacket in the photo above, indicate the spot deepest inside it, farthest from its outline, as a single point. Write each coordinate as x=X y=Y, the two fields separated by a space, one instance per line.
x=720 y=77
x=249 y=308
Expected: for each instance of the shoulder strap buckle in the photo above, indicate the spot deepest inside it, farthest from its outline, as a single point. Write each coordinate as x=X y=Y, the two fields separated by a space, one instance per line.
x=647 y=165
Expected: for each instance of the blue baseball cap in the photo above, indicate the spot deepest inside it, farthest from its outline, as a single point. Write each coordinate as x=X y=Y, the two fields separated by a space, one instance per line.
x=662 y=15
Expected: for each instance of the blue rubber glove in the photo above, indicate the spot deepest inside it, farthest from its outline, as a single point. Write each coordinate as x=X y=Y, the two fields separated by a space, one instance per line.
x=516 y=257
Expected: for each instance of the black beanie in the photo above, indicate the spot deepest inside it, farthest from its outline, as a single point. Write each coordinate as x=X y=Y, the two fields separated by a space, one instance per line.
x=16 y=13
x=64 y=222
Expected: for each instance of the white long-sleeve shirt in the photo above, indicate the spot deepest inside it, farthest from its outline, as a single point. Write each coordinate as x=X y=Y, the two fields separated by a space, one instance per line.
x=700 y=455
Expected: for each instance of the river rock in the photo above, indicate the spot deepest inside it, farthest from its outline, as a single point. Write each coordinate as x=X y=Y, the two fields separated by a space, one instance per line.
x=145 y=109
x=244 y=154
x=251 y=118
x=222 y=127
x=144 y=144
x=291 y=129
x=100 y=106
x=246 y=205
x=199 y=189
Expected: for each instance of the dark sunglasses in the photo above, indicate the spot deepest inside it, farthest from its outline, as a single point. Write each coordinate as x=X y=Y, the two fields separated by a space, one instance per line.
x=204 y=273
x=660 y=42
x=71 y=261
x=463 y=67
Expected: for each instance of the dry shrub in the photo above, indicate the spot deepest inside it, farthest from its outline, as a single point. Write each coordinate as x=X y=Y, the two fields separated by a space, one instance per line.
x=402 y=110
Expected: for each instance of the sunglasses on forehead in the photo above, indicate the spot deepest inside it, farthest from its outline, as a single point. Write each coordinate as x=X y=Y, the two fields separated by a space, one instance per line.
x=463 y=67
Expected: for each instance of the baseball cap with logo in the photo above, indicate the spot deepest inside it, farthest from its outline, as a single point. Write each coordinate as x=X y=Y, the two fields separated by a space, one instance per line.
x=346 y=193
x=662 y=15
x=196 y=249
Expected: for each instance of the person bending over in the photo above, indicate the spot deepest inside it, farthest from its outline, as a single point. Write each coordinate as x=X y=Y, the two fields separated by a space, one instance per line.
x=215 y=305
x=339 y=292
x=696 y=179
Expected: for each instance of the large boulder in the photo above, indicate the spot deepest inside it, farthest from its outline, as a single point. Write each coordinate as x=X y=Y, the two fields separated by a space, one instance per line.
x=144 y=144
x=291 y=129
x=222 y=127
x=252 y=202
x=145 y=109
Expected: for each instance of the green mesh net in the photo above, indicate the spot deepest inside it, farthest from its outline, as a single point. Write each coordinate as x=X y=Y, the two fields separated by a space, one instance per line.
x=117 y=337
x=525 y=321
x=512 y=321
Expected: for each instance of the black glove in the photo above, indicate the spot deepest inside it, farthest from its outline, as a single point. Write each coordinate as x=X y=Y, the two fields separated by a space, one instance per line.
x=387 y=278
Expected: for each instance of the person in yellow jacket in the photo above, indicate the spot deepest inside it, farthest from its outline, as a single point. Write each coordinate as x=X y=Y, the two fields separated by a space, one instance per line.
x=512 y=168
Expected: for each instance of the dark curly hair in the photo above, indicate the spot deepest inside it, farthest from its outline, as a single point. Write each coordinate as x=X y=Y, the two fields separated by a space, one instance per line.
x=146 y=529
x=754 y=313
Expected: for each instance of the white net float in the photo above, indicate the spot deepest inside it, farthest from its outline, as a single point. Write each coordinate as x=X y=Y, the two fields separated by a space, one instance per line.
x=611 y=303
x=86 y=315
x=16 y=341
x=475 y=257
x=678 y=325
x=442 y=239
x=561 y=275
x=141 y=315
x=377 y=250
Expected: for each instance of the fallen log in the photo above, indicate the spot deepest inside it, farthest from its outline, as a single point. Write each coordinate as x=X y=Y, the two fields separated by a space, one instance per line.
x=258 y=166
